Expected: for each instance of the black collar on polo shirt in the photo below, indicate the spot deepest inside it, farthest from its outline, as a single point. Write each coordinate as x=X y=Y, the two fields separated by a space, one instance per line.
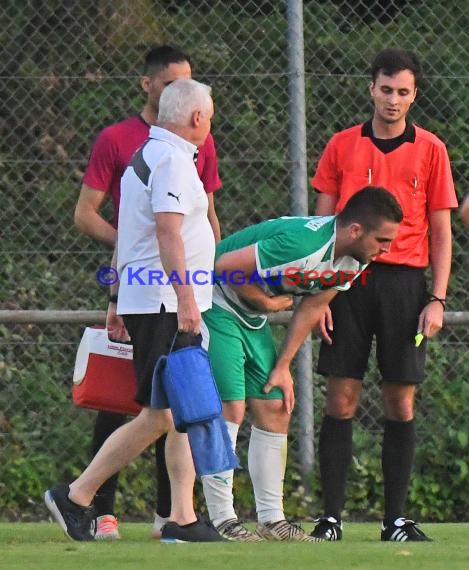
x=388 y=145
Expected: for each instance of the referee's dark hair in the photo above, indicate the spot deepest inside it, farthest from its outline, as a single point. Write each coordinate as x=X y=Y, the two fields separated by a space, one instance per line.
x=160 y=57
x=369 y=207
x=392 y=60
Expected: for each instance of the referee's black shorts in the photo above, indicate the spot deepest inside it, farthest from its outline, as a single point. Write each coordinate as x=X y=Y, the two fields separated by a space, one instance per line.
x=152 y=336
x=387 y=306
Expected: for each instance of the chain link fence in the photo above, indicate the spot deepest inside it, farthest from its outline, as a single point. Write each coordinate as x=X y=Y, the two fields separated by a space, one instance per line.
x=69 y=68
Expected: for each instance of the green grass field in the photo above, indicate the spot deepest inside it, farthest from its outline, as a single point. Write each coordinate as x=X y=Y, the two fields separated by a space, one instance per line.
x=26 y=546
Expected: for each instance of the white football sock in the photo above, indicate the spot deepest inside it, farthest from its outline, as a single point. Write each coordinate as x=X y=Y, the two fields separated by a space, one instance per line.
x=267 y=460
x=218 y=488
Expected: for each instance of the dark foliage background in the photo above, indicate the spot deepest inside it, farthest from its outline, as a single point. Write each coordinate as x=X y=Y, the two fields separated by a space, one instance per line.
x=69 y=68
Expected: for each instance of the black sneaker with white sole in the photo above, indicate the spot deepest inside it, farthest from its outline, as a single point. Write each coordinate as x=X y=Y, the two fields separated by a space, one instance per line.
x=328 y=528
x=199 y=531
x=78 y=523
x=403 y=530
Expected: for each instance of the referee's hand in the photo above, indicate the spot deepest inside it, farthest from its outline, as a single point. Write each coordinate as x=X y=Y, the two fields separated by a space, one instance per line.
x=325 y=326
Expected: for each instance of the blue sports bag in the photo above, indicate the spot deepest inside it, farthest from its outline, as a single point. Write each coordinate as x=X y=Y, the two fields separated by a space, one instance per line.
x=183 y=381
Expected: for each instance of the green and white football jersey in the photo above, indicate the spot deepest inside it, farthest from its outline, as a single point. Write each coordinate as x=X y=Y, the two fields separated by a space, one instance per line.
x=294 y=255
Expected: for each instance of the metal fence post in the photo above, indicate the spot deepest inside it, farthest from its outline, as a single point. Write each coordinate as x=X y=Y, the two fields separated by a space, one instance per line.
x=299 y=194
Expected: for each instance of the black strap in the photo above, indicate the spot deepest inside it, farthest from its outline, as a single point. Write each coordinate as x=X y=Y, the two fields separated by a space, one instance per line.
x=432 y=298
x=199 y=340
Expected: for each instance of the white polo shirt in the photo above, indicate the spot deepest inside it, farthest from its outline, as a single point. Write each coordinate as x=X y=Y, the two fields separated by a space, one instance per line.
x=162 y=177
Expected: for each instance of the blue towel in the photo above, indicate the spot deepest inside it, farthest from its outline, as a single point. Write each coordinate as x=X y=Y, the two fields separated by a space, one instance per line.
x=183 y=381
x=211 y=447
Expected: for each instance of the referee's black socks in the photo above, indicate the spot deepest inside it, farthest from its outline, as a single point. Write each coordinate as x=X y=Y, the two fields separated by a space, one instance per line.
x=335 y=457
x=397 y=461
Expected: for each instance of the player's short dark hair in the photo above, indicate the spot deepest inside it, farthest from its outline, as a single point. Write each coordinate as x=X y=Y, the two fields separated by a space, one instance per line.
x=160 y=57
x=392 y=60
x=369 y=207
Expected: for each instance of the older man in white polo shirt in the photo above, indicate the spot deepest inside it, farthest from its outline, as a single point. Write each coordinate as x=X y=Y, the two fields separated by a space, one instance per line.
x=164 y=237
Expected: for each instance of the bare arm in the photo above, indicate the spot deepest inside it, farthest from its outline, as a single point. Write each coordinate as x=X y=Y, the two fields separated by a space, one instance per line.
x=114 y=322
x=244 y=261
x=173 y=258
x=325 y=204
x=465 y=212
x=213 y=218
x=305 y=318
x=431 y=318
x=88 y=219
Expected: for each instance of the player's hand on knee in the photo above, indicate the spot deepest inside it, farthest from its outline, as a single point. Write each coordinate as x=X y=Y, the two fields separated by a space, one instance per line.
x=280 y=377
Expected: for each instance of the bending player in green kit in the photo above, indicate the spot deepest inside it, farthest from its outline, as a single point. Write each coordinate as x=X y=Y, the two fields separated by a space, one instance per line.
x=259 y=270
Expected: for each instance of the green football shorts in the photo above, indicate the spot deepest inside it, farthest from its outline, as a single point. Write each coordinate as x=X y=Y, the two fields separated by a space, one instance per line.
x=241 y=358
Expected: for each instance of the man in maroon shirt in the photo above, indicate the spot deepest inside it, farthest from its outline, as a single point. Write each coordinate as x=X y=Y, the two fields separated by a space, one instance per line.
x=109 y=157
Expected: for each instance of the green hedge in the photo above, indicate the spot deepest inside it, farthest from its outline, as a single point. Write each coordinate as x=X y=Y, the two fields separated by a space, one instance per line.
x=62 y=91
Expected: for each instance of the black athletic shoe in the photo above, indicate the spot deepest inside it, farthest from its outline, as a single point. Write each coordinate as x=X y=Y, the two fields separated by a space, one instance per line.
x=77 y=522
x=199 y=531
x=403 y=530
x=328 y=528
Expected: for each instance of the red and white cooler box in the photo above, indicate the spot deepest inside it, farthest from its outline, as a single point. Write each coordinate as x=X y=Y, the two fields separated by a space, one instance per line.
x=104 y=376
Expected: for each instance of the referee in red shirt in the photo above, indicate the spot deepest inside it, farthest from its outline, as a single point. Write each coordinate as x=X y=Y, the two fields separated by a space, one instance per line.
x=394 y=304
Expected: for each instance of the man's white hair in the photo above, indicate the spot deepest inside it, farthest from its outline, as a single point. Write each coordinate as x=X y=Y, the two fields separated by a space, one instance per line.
x=181 y=98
